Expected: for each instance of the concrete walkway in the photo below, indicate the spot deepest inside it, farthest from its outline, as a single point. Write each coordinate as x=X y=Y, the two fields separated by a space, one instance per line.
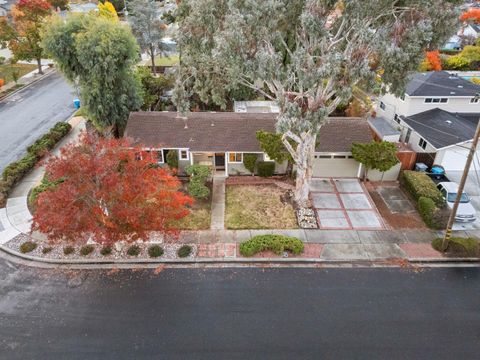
x=218 y=203
x=15 y=218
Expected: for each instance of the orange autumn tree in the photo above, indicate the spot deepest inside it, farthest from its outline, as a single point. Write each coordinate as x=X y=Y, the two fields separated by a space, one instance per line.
x=101 y=188
x=433 y=59
x=473 y=14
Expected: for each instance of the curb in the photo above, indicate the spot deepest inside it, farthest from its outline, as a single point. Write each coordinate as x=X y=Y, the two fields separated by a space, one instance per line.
x=88 y=263
x=26 y=86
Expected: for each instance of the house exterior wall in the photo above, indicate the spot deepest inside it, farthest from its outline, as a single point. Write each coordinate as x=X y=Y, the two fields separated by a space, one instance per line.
x=336 y=167
x=390 y=175
x=416 y=105
x=454 y=158
x=239 y=168
x=415 y=139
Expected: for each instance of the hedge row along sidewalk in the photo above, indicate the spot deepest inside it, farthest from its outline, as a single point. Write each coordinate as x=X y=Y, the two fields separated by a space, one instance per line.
x=16 y=171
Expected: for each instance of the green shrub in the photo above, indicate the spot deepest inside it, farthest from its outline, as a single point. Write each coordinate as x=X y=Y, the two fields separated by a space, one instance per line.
x=276 y=243
x=155 y=251
x=198 y=190
x=15 y=171
x=67 y=250
x=184 y=251
x=172 y=159
x=250 y=160
x=434 y=217
x=198 y=172
x=45 y=185
x=133 y=250
x=86 y=250
x=419 y=184
x=47 y=249
x=106 y=250
x=27 y=246
x=266 y=168
x=459 y=246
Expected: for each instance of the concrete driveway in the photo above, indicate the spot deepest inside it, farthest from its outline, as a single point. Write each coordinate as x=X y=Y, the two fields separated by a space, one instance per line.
x=472 y=188
x=344 y=204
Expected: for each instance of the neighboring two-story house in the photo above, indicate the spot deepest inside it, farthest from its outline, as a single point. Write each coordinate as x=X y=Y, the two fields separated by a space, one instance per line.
x=437 y=116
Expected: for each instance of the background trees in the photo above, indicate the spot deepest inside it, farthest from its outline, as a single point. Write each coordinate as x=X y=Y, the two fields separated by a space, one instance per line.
x=307 y=56
x=147 y=27
x=23 y=34
x=101 y=189
x=99 y=54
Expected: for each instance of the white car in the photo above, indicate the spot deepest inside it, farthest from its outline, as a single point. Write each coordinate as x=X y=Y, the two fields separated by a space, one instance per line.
x=465 y=212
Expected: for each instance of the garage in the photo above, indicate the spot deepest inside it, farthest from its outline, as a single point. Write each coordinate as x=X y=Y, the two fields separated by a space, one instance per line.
x=454 y=158
x=335 y=166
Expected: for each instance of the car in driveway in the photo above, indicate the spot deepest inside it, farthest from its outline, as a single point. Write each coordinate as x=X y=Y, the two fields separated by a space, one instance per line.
x=465 y=212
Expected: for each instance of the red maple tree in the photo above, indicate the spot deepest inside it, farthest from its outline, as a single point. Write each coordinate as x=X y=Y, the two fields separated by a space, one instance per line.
x=104 y=190
x=433 y=58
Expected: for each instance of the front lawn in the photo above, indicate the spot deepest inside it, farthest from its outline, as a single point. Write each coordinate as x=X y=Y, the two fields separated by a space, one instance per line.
x=258 y=207
x=199 y=217
x=166 y=60
x=6 y=70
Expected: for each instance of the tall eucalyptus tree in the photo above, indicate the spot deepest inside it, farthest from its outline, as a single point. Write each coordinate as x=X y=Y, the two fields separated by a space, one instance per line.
x=307 y=55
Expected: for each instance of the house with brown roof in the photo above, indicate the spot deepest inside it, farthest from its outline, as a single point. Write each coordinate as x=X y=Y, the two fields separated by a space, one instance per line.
x=220 y=140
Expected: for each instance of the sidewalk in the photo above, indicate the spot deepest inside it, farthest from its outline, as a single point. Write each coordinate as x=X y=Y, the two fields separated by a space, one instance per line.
x=24 y=81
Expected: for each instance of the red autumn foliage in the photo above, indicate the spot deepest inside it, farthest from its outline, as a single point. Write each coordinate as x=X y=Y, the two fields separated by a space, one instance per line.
x=472 y=14
x=433 y=58
x=108 y=193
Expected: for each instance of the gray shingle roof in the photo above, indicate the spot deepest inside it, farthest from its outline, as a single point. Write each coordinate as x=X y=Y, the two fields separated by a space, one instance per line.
x=440 y=83
x=442 y=128
x=228 y=131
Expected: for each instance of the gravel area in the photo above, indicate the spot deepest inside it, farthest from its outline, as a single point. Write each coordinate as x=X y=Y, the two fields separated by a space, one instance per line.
x=119 y=251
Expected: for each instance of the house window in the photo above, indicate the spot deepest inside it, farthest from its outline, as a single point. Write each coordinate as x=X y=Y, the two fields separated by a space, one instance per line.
x=339 y=157
x=396 y=118
x=159 y=156
x=436 y=100
x=325 y=156
x=474 y=100
x=382 y=105
x=235 y=157
x=422 y=143
x=266 y=157
x=402 y=97
x=183 y=154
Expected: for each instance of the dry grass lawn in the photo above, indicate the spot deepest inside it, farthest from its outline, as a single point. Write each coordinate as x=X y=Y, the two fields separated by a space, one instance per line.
x=257 y=207
x=199 y=217
x=6 y=70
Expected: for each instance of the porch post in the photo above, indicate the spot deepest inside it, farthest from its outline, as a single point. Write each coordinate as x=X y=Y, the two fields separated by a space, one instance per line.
x=191 y=158
x=359 y=173
x=226 y=164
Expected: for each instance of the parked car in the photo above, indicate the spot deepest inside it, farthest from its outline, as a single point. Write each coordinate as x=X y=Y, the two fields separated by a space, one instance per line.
x=466 y=212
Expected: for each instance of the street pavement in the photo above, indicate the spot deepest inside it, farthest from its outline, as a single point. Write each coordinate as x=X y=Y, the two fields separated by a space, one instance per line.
x=242 y=313
x=28 y=114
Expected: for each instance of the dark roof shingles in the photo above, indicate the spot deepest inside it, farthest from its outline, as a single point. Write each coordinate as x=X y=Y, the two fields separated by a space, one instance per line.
x=232 y=131
x=440 y=83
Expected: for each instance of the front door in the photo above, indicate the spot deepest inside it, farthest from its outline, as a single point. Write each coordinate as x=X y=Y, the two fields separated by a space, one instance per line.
x=220 y=160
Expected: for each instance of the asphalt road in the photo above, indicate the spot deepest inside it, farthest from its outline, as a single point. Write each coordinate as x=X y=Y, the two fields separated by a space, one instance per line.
x=239 y=314
x=30 y=113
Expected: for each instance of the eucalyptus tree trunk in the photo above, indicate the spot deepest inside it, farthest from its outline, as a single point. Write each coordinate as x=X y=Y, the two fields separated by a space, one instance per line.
x=303 y=157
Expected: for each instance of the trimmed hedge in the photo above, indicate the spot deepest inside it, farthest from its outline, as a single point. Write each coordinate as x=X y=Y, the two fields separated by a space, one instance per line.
x=419 y=184
x=133 y=250
x=276 y=243
x=27 y=247
x=459 y=246
x=266 y=168
x=15 y=171
x=86 y=250
x=434 y=217
x=155 y=251
x=184 y=251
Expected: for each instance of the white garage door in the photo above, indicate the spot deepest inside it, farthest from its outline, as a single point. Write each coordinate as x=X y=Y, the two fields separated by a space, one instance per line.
x=454 y=160
x=335 y=168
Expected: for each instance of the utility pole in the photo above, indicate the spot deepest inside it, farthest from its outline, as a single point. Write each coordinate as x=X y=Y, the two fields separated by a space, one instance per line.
x=461 y=186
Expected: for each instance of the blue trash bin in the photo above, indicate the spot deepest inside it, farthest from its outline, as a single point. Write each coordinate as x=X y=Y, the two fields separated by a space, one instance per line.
x=76 y=103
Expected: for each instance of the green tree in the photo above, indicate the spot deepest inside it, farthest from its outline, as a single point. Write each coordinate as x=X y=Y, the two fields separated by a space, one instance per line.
x=380 y=156
x=147 y=28
x=172 y=159
x=306 y=55
x=456 y=62
x=153 y=88
x=98 y=54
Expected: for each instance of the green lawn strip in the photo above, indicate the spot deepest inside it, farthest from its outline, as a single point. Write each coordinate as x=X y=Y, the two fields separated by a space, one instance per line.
x=6 y=70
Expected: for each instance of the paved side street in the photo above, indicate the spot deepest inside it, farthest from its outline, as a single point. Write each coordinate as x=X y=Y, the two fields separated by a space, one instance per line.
x=239 y=313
